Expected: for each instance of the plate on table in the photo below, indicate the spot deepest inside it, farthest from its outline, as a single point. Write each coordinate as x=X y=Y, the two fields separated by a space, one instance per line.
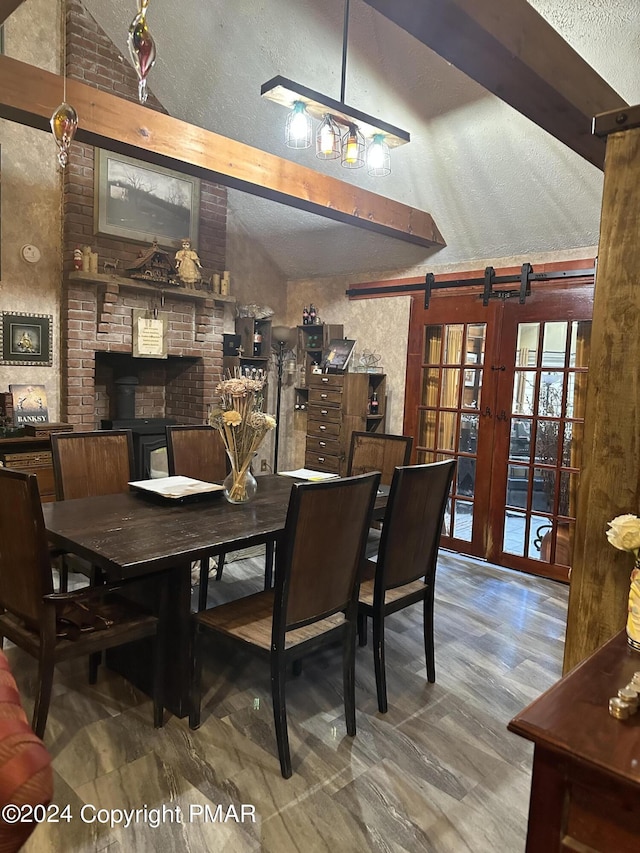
x=176 y=488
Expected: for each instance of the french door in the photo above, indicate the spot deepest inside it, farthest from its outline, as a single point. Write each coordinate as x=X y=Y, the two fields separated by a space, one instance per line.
x=502 y=389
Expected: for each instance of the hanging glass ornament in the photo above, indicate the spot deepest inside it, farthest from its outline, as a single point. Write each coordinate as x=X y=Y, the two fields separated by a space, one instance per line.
x=142 y=48
x=64 y=123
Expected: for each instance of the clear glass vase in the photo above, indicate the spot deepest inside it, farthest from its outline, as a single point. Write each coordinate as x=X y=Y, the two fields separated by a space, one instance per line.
x=240 y=486
x=633 y=618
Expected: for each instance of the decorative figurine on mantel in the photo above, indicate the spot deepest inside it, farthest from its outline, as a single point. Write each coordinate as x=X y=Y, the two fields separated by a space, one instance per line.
x=155 y=266
x=188 y=264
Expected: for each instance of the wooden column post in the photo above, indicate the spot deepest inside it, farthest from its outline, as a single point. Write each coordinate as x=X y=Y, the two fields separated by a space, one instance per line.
x=610 y=480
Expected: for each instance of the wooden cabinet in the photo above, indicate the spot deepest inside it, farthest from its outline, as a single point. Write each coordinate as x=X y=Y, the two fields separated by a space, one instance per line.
x=338 y=404
x=31 y=454
x=313 y=341
x=255 y=344
x=585 y=789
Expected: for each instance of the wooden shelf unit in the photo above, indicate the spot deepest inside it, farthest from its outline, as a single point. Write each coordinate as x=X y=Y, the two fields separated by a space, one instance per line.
x=173 y=291
x=31 y=454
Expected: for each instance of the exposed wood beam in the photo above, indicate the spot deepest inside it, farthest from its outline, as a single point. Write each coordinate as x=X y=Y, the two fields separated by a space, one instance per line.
x=8 y=7
x=514 y=53
x=29 y=95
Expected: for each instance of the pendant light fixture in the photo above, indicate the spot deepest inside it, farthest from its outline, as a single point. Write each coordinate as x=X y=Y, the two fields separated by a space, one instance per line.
x=299 y=128
x=64 y=121
x=142 y=48
x=343 y=130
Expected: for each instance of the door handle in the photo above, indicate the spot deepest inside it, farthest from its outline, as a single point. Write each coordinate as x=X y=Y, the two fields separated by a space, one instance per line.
x=502 y=416
x=498 y=367
x=486 y=413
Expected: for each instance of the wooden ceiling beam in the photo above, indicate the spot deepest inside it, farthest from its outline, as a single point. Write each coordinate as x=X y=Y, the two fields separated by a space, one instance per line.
x=8 y=7
x=510 y=50
x=29 y=95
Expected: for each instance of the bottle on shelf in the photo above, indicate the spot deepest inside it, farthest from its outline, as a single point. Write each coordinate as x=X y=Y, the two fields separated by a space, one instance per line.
x=305 y=316
x=312 y=315
x=257 y=340
x=374 y=406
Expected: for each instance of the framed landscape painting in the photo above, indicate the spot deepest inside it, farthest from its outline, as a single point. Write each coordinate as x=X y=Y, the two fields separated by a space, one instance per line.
x=26 y=338
x=141 y=202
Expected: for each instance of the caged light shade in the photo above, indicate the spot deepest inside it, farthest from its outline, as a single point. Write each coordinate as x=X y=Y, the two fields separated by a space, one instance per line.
x=328 y=142
x=299 y=127
x=353 y=148
x=378 y=157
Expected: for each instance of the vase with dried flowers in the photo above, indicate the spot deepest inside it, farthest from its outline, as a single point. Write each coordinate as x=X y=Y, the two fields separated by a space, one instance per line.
x=242 y=424
x=624 y=534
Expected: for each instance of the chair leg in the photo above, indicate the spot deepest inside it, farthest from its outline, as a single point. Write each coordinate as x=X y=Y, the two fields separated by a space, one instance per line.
x=429 y=648
x=63 y=574
x=280 y=712
x=220 y=566
x=349 y=678
x=378 y=662
x=268 y=564
x=362 y=629
x=95 y=660
x=159 y=658
x=195 y=693
x=203 y=587
x=43 y=695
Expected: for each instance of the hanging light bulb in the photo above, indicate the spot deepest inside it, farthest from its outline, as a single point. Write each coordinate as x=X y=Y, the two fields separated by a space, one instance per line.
x=328 y=139
x=142 y=48
x=298 y=130
x=64 y=123
x=353 y=148
x=378 y=157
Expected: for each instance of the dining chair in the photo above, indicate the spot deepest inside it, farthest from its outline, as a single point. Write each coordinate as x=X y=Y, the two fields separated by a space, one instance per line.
x=404 y=570
x=372 y=451
x=314 y=601
x=198 y=452
x=87 y=464
x=53 y=627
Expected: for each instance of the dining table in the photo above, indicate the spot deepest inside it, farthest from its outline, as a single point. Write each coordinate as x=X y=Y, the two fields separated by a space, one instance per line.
x=139 y=535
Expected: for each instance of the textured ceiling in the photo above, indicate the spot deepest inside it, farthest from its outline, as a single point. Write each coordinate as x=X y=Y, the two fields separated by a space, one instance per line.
x=495 y=184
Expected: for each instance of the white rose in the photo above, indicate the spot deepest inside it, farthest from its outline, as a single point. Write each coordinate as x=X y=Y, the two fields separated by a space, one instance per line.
x=624 y=533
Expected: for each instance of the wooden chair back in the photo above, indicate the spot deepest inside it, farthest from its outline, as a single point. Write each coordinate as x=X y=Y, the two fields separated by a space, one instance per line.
x=25 y=568
x=322 y=549
x=86 y=464
x=197 y=452
x=370 y=451
x=413 y=523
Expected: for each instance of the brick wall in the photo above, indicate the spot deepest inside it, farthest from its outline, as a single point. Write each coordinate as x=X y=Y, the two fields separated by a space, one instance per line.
x=97 y=316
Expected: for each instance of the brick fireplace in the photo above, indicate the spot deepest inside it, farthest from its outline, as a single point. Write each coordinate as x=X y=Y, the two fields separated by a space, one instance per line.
x=96 y=310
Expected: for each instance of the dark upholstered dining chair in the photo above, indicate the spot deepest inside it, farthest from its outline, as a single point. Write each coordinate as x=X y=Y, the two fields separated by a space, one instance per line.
x=58 y=626
x=87 y=464
x=198 y=452
x=314 y=601
x=372 y=451
x=404 y=571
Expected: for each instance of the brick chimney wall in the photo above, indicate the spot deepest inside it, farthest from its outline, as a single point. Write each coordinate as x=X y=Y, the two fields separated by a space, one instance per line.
x=97 y=315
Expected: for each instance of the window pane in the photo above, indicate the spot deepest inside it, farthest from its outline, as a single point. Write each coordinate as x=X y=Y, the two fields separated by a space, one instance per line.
x=580 y=343
x=432 y=344
x=430 y=384
x=550 y=401
x=524 y=392
x=527 y=347
x=576 y=394
x=472 y=389
x=544 y=484
x=468 y=442
x=463 y=520
x=547 y=433
x=450 y=388
x=475 y=343
x=555 y=344
x=520 y=438
x=453 y=344
x=517 y=485
x=514 y=531
x=466 y=476
x=447 y=431
x=427 y=431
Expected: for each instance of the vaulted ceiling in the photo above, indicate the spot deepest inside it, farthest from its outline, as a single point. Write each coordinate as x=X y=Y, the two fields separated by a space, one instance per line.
x=496 y=184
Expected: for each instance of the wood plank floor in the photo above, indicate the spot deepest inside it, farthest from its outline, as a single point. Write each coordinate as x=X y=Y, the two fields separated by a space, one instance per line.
x=439 y=772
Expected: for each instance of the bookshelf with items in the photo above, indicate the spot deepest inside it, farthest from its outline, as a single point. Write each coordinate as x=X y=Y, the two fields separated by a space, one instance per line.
x=254 y=345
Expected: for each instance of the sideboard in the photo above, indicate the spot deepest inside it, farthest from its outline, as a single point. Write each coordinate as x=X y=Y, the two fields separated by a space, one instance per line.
x=32 y=454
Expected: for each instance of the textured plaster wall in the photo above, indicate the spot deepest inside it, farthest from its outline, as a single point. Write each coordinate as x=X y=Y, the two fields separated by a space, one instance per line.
x=32 y=199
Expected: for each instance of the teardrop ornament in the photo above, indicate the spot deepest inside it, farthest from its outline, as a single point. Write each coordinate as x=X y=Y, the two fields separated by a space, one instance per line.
x=142 y=48
x=64 y=123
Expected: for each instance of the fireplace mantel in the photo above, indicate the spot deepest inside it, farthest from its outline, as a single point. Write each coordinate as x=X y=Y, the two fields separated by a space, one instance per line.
x=158 y=290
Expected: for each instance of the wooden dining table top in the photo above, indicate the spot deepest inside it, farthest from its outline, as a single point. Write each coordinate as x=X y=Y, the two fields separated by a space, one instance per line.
x=131 y=533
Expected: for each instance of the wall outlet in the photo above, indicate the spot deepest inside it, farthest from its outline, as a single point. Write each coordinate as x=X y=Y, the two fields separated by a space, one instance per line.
x=263 y=465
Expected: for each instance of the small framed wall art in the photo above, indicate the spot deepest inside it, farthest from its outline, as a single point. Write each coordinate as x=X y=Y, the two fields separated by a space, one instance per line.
x=26 y=338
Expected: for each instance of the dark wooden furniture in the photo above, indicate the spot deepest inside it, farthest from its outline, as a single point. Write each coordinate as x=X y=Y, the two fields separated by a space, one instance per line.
x=585 y=790
x=31 y=454
x=131 y=535
x=405 y=570
x=315 y=599
x=32 y=613
x=338 y=405
x=372 y=451
x=86 y=464
x=198 y=452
